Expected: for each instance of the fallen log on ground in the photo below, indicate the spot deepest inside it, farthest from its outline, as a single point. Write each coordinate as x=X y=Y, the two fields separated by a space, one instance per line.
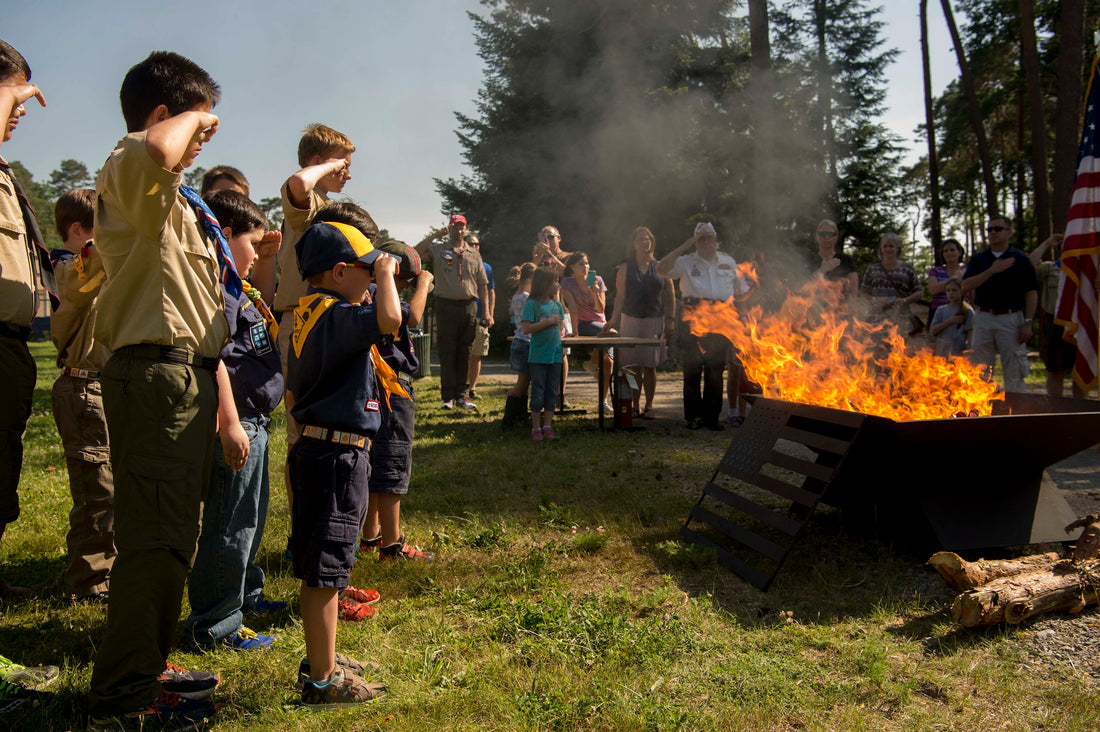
x=961 y=575
x=1066 y=585
x=1012 y=590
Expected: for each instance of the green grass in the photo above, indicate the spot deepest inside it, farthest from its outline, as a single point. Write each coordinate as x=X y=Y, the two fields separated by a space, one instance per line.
x=561 y=600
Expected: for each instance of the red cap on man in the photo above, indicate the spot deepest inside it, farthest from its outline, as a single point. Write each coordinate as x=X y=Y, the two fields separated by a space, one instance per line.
x=457 y=219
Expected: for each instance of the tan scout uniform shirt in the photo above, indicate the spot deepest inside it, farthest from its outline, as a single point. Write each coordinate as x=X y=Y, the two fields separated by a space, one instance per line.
x=458 y=273
x=291 y=285
x=73 y=323
x=17 y=303
x=162 y=273
x=1050 y=278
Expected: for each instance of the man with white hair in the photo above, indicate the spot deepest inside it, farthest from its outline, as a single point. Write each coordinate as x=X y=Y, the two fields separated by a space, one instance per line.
x=706 y=275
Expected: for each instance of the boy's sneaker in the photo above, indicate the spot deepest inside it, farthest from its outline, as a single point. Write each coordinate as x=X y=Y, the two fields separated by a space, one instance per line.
x=473 y=395
x=246 y=639
x=359 y=668
x=28 y=677
x=447 y=404
x=403 y=550
x=193 y=685
x=355 y=612
x=466 y=403
x=367 y=597
x=14 y=697
x=369 y=546
x=343 y=689
x=168 y=711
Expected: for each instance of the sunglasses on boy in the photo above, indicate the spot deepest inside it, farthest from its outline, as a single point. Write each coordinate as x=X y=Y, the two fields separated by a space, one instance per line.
x=995 y=229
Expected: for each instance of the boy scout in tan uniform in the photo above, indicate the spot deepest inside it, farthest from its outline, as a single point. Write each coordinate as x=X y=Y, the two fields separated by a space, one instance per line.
x=18 y=251
x=161 y=314
x=78 y=400
x=325 y=157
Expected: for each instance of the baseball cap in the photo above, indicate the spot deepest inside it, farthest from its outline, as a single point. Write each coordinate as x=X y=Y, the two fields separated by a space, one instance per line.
x=705 y=227
x=457 y=219
x=326 y=244
x=409 y=261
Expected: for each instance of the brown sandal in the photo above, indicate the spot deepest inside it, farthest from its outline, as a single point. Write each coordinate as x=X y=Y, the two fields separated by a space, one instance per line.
x=648 y=414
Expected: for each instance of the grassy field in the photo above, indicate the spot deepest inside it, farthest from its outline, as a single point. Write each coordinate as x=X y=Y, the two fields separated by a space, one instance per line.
x=561 y=600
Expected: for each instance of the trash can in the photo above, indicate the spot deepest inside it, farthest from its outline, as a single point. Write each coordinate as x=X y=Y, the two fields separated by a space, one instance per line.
x=422 y=346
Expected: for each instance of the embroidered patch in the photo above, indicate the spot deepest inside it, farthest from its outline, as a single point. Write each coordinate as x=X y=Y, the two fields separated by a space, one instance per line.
x=372 y=405
x=261 y=343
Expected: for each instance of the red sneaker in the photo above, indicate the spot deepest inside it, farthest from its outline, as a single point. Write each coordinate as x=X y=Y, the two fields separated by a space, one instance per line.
x=355 y=612
x=367 y=597
x=404 y=550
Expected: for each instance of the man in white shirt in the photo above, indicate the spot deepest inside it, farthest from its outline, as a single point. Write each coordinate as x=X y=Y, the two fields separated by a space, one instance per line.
x=705 y=274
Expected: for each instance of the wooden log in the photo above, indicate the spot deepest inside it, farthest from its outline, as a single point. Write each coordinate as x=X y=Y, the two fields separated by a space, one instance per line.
x=1067 y=585
x=1088 y=544
x=960 y=575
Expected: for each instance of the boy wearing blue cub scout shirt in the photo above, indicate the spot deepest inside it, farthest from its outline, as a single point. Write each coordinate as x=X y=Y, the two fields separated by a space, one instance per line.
x=337 y=407
x=226 y=581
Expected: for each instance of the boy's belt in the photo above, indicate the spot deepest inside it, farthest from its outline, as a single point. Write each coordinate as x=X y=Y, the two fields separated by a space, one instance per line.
x=81 y=373
x=404 y=378
x=170 y=355
x=340 y=438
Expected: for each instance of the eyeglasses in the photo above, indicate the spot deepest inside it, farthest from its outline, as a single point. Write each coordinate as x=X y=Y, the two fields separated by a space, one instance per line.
x=553 y=236
x=995 y=229
x=827 y=234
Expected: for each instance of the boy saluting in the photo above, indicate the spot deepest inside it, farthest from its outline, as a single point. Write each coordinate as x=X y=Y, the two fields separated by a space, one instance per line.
x=161 y=313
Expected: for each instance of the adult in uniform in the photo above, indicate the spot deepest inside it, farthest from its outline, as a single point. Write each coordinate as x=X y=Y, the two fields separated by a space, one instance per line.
x=706 y=275
x=459 y=282
x=1006 y=293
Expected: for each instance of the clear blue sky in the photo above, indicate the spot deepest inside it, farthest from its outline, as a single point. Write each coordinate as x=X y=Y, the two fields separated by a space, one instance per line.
x=388 y=74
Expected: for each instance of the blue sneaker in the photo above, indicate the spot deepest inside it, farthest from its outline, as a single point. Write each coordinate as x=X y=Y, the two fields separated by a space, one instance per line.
x=168 y=711
x=249 y=640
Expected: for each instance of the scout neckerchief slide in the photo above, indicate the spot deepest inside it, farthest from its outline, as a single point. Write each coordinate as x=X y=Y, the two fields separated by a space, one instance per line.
x=256 y=298
x=229 y=277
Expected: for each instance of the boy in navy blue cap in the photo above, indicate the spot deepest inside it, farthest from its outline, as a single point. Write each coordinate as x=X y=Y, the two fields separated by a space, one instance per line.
x=337 y=407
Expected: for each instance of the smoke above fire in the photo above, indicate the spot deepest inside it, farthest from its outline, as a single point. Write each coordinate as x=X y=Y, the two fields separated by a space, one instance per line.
x=811 y=350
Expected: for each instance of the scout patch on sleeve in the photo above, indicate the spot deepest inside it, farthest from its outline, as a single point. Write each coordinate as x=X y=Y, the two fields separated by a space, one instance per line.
x=309 y=311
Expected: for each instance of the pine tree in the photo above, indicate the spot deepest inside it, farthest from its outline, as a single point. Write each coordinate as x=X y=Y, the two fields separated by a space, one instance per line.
x=832 y=70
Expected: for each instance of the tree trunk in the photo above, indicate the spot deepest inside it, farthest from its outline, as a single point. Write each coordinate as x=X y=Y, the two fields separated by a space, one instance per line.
x=1065 y=586
x=825 y=92
x=1067 y=112
x=930 y=128
x=975 y=110
x=1040 y=181
x=961 y=575
x=763 y=189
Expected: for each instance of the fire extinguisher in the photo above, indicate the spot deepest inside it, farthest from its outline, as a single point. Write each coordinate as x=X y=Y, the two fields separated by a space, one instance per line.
x=624 y=412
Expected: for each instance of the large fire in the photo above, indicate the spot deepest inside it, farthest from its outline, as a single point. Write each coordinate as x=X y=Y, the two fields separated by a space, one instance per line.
x=811 y=350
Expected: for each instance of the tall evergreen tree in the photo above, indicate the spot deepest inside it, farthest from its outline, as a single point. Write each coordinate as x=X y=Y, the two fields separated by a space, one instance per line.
x=834 y=61
x=600 y=117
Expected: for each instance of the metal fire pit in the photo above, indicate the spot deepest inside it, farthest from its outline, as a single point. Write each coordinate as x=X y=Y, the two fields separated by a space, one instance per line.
x=957 y=484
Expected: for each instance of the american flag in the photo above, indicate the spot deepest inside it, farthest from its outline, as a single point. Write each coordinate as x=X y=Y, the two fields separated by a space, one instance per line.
x=1078 y=304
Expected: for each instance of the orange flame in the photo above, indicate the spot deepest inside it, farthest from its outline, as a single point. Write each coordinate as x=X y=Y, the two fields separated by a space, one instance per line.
x=812 y=351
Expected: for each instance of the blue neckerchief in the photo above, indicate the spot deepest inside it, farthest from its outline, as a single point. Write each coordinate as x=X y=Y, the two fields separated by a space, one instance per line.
x=213 y=229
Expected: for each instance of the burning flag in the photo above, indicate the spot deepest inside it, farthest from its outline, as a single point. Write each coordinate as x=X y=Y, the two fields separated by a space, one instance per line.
x=1077 y=296
x=812 y=351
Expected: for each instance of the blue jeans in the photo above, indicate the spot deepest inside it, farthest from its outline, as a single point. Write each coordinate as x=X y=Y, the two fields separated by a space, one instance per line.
x=225 y=579
x=545 y=383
